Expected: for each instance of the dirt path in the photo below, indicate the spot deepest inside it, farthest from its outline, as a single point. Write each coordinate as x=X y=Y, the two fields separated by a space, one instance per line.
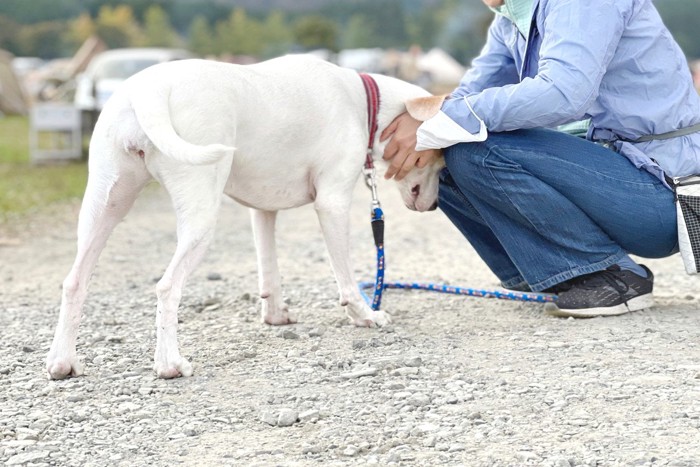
x=453 y=381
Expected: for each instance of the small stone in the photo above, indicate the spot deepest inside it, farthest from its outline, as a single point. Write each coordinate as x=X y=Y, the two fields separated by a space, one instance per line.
x=311 y=448
x=351 y=451
x=456 y=447
x=287 y=417
x=28 y=457
x=419 y=400
x=309 y=415
x=24 y=434
x=358 y=344
x=527 y=456
x=214 y=276
x=75 y=397
x=269 y=417
x=287 y=334
x=317 y=332
x=360 y=373
x=413 y=362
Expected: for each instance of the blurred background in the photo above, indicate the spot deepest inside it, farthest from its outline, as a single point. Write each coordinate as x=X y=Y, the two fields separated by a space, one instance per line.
x=60 y=61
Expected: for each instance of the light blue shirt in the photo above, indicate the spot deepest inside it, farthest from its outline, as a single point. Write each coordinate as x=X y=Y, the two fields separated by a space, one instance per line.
x=612 y=61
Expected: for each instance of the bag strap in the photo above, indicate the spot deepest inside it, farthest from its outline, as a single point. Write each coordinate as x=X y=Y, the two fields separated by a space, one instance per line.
x=671 y=134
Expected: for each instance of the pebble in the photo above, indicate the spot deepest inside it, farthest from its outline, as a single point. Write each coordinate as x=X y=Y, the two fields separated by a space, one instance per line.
x=287 y=417
x=287 y=334
x=360 y=373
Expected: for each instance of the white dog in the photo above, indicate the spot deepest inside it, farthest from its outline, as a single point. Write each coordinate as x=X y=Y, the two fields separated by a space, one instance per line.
x=274 y=135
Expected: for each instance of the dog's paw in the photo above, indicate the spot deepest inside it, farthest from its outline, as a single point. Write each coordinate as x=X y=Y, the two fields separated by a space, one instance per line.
x=61 y=368
x=173 y=369
x=377 y=318
x=277 y=316
x=381 y=318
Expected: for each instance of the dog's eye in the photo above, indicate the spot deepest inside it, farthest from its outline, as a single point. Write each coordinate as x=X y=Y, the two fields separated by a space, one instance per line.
x=415 y=191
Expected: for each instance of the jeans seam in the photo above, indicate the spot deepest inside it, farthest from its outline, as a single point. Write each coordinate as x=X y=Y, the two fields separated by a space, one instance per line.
x=577 y=271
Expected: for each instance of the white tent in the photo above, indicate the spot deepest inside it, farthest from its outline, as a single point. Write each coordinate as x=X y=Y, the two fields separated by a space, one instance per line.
x=12 y=98
x=441 y=67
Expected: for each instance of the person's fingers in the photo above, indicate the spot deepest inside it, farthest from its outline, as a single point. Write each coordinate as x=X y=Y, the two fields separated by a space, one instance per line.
x=407 y=165
x=427 y=157
x=390 y=130
x=391 y=149
x=395 y=165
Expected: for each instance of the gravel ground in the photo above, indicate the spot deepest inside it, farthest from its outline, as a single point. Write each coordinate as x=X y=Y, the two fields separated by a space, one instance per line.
x=453 y=381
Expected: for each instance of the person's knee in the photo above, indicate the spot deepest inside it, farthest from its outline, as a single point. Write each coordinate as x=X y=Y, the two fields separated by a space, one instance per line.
x=463 y=159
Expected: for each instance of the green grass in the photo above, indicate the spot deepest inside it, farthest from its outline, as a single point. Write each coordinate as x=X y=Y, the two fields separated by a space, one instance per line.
x=24 y=186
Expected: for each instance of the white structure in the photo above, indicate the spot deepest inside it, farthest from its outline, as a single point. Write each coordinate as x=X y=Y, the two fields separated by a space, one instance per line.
x=54 y=132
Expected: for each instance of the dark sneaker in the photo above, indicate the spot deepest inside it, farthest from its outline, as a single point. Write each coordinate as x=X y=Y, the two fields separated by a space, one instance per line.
x=604 y=293
x=522 y=287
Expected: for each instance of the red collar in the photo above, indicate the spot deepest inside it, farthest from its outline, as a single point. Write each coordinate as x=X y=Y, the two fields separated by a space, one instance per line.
x=373 y=101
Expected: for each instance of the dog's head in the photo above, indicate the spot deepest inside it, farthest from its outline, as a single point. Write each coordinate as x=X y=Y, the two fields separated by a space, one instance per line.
x=419 y=188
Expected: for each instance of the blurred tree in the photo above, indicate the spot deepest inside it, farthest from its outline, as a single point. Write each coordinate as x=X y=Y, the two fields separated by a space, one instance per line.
x=314 y=32
x=201 y=39
x=358 y=34
x=80 y=29
x=35 y=11
x=276 y=35
x=239 y=35
x=681 y=17
x=45 y=40
x=158 y=32
x=384 y=21
x=8 y=35
x=423 y=27
x=117 y=26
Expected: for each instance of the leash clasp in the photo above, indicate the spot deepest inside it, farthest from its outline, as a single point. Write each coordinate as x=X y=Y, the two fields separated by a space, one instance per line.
x=370 y=174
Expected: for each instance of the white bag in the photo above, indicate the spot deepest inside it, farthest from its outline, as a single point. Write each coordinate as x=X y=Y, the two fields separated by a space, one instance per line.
x=688 y=216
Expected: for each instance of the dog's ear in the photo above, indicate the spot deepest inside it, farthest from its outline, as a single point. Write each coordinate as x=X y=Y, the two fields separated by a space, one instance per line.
x=423 y=108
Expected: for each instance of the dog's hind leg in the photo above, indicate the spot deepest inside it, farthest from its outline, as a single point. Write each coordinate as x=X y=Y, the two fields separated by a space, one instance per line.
x=108 y=197
x=333 y=215
x=274 y=310
x=196 y=195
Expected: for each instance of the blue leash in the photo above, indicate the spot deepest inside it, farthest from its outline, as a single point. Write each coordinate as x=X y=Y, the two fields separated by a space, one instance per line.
x=379 y=285
x=456 y=290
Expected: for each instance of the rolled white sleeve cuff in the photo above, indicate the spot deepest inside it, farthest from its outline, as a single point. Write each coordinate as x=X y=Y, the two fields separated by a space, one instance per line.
x=442 y=131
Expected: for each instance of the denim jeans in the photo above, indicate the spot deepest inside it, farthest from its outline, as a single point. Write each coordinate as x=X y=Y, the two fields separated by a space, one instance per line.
x=540 y=206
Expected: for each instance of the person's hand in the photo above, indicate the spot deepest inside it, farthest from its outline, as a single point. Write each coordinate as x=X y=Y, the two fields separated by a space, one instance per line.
x=401 y=150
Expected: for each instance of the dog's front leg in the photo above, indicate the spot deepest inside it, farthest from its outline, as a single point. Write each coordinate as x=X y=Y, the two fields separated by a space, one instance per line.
x=274 y=310
x=334 y=216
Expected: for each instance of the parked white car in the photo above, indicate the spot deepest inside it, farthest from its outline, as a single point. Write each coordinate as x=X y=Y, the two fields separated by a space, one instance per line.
x=109 y=69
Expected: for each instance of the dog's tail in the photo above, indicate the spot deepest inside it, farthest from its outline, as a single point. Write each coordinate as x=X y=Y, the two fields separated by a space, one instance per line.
x=153 y=114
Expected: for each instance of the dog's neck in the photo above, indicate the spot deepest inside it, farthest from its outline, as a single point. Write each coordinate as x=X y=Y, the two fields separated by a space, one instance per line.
x=393 y=95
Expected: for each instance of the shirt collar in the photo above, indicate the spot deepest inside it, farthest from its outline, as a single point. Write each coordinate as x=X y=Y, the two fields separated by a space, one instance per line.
x=519 y=12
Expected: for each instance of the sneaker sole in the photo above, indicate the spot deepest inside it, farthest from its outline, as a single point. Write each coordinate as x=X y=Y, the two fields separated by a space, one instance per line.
x=633 y=304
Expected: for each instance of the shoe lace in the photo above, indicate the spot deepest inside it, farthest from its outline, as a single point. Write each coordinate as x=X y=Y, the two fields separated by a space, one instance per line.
x=601 y=278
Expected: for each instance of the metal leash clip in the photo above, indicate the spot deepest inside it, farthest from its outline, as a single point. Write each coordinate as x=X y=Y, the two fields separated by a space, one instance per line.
x=370 y=174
